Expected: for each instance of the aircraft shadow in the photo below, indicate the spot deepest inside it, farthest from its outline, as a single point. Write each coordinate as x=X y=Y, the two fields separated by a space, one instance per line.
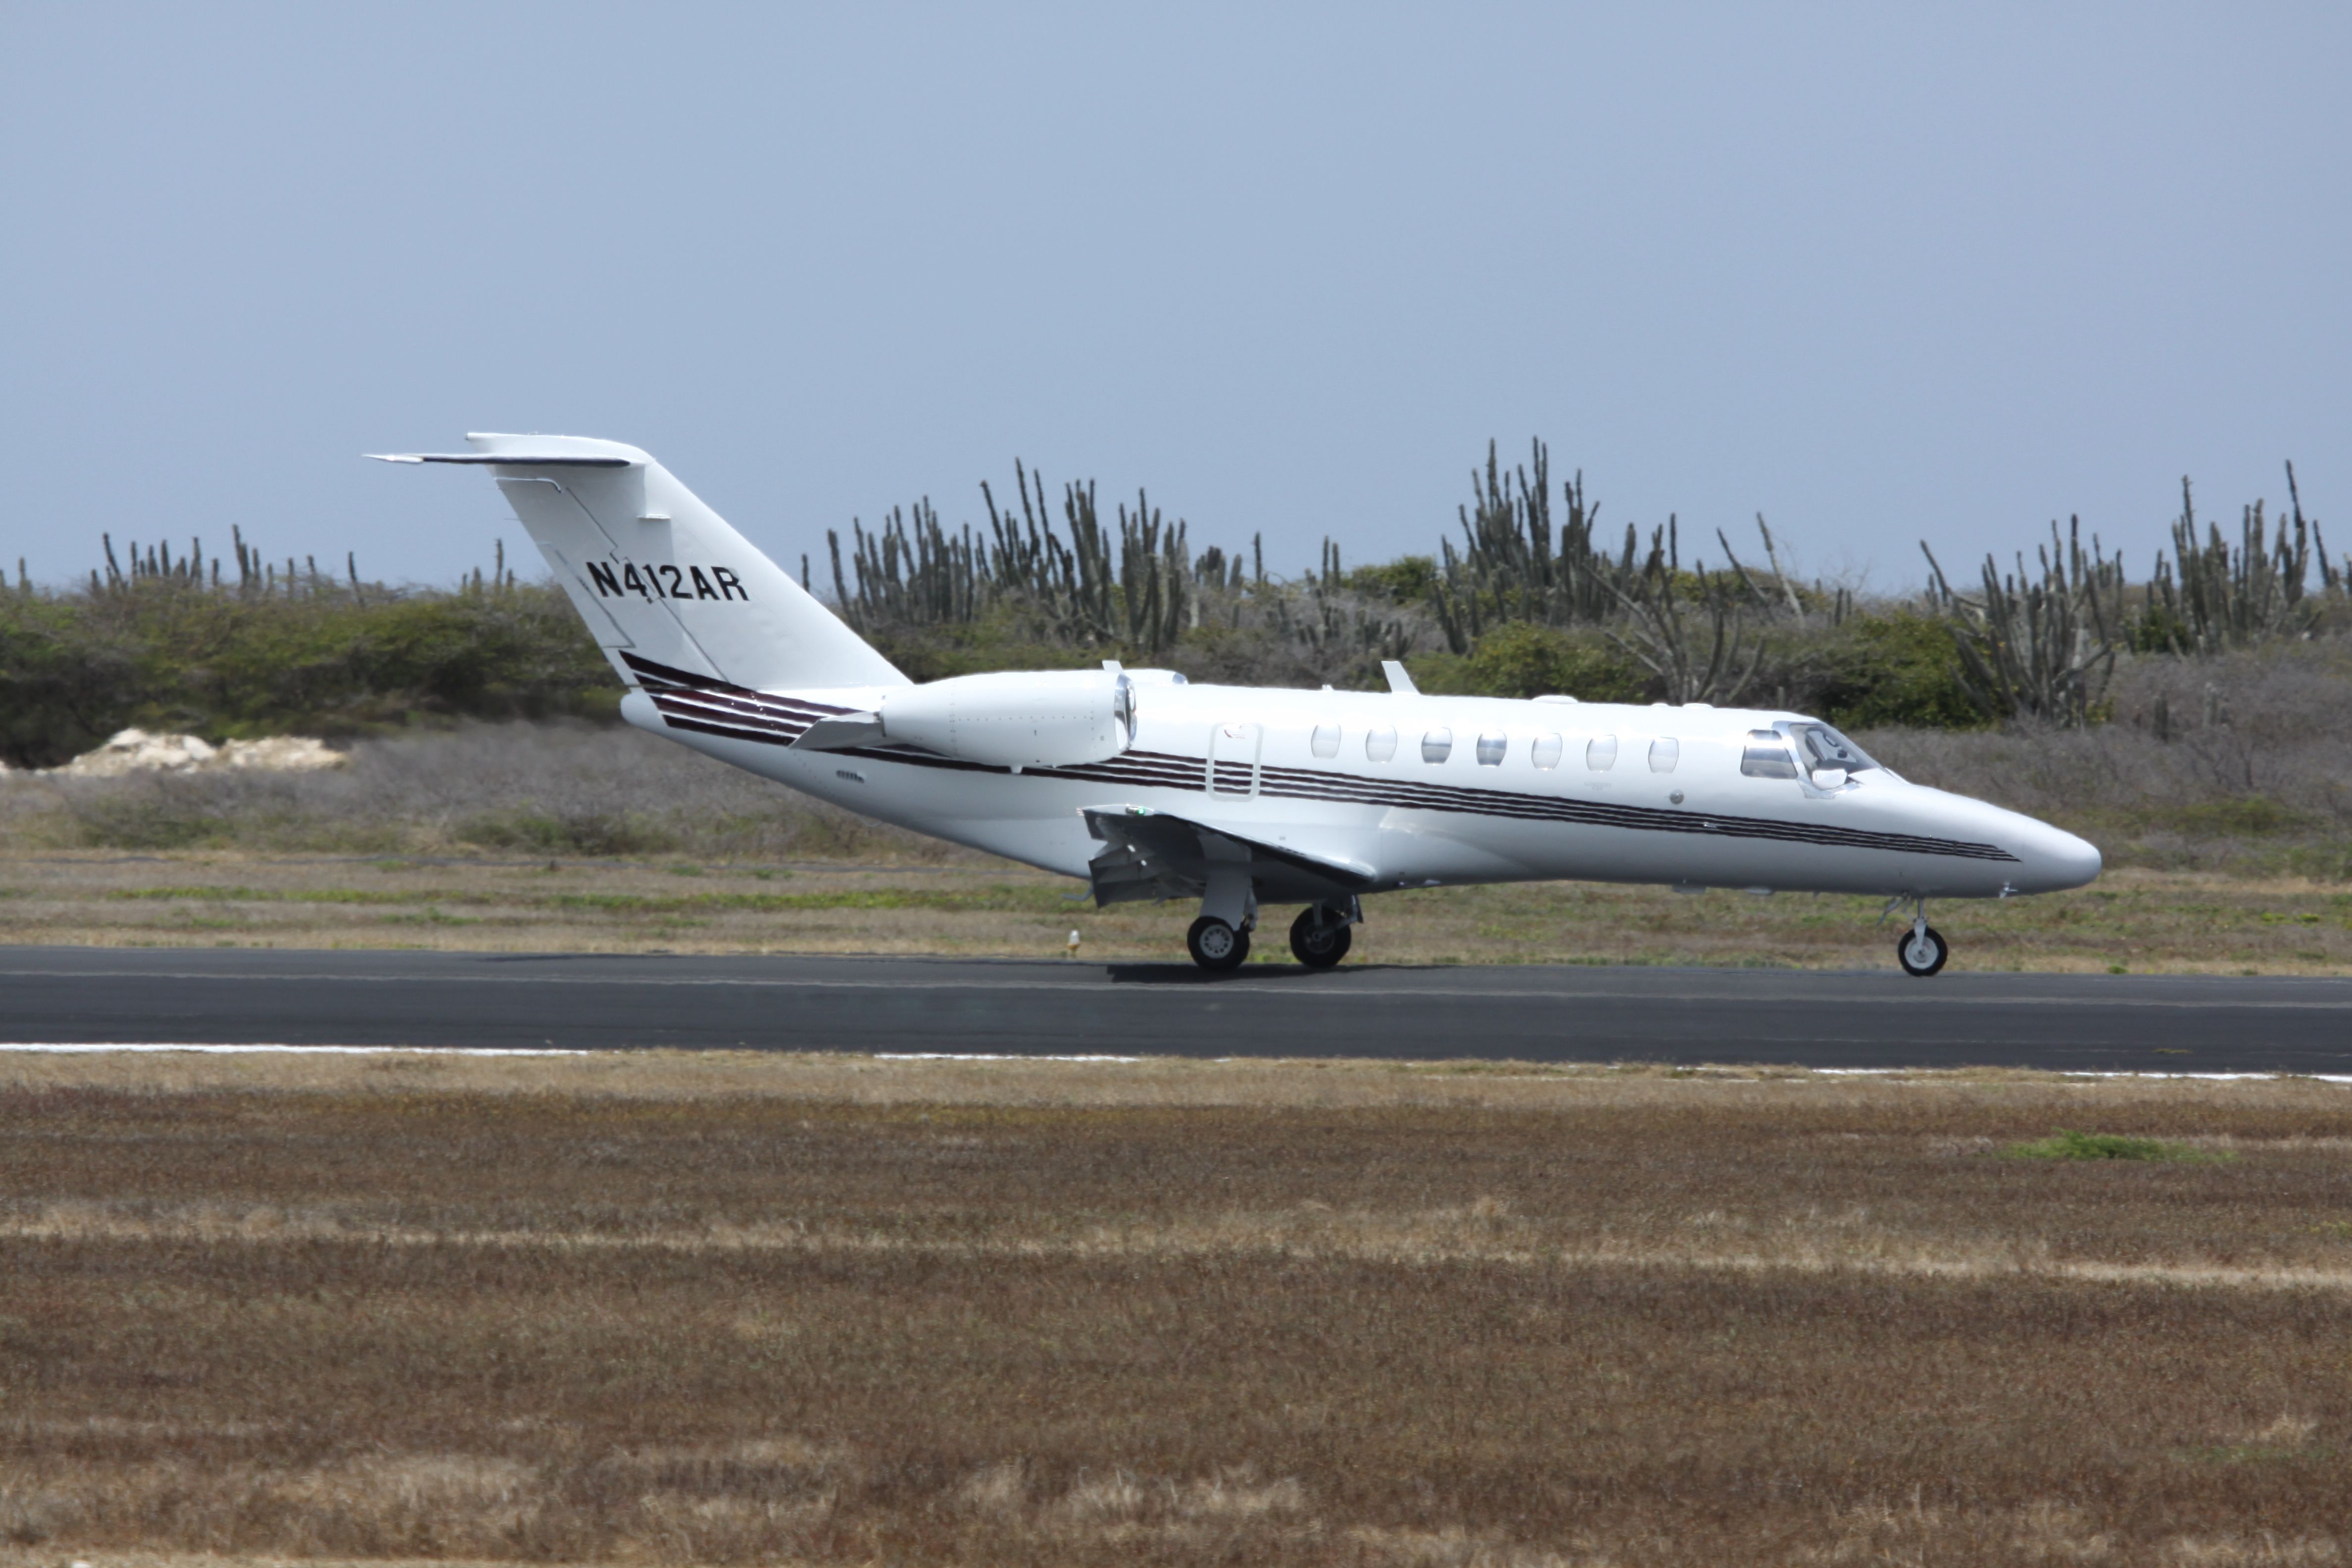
x=1194 y=975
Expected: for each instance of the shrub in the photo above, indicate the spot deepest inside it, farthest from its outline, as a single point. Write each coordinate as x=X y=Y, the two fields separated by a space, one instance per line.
x=1523 y=660
x=148 y=819
x=2066 y=1145
x=167 y=654
x=1407 y=580
x=1898 y=668
x=539 y=832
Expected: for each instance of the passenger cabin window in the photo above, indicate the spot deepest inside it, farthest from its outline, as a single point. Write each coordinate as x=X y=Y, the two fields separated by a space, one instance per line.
x=1326 y=740
x=1546 y=752
x=1437 y=745
x=1380 y=744
x=1767 y=756
x=1664 y=753
x=1600 y=752
x=1491 y=749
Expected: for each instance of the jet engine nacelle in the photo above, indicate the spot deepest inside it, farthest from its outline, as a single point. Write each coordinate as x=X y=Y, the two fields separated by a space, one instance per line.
x=1020 y=718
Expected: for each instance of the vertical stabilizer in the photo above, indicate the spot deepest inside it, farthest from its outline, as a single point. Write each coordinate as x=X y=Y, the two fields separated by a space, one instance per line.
x=662 y=579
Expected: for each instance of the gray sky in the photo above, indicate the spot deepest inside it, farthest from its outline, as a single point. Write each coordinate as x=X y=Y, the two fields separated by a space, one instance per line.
x=1880 y=272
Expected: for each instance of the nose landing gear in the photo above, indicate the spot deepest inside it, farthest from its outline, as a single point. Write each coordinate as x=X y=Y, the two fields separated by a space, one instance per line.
x=1922 y=950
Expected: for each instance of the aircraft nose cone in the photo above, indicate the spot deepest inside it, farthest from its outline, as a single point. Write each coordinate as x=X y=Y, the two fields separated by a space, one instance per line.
x=2056 y=859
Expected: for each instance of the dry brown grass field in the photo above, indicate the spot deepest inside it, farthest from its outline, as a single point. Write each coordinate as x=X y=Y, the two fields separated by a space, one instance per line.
x=728 y=1309
x=2144 y=921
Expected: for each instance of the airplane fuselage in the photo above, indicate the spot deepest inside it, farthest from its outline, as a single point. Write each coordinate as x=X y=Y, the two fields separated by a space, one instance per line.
x=1415 y=790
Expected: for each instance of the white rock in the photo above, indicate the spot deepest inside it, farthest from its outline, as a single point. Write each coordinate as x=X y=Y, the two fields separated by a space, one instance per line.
x=137 y=752
x=283 y=754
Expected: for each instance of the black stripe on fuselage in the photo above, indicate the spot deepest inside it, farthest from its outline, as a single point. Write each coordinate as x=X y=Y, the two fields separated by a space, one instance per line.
x=708 y=707
x=669 y=675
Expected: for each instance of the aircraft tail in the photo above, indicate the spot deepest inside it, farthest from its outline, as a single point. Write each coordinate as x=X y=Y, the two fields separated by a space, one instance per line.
x=659 y=577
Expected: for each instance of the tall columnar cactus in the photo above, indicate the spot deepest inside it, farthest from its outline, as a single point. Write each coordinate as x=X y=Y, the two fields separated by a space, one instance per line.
x=1131 y=583
x=1670 y=613
x=2219 y=597
x=1509 y=568
x=2045 y=647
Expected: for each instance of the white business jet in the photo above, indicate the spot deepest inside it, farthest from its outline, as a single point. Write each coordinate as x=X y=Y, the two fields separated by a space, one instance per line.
x=1149 y=787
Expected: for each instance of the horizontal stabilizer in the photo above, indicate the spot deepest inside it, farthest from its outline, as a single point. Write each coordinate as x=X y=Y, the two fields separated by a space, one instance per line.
x=506 y=459
x=1151 y=855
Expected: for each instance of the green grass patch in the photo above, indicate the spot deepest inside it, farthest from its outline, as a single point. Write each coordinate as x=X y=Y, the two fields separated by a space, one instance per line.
x=2252 y=817
x=219 y=895
x=209 y=894
x=2066 y=1145
x=590 y=833
x=999 y=897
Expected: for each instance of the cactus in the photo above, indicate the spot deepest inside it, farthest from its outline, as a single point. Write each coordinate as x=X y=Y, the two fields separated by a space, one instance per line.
x=1508 y=569
x=2218 y=597
x=2042 y=648
x=1664 y=608
x=1130 y=585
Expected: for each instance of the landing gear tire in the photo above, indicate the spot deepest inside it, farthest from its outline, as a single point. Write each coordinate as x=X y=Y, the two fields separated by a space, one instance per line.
x=1921 y=951
x=1216 y=945
x=1320 y=945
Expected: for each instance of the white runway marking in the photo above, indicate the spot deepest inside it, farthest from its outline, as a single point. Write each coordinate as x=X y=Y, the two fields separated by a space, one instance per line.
x=85 y=1049
x=2100 y=1072
x=303 y=1051
x=987 y=1056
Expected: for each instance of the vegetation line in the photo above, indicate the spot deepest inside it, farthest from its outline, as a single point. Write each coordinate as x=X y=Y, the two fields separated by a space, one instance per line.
x=1405 y=1248
x=1534 y=597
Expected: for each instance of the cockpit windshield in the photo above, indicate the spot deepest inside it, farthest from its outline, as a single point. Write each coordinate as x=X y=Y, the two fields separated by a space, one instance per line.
x=1825 y=748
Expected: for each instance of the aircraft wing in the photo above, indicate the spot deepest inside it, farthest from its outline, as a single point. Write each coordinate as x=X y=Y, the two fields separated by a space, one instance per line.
x=1149 y=854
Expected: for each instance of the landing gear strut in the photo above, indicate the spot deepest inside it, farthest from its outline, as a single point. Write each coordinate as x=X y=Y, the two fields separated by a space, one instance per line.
x=1320 y=936
x=1921 y=951
x=1220 y=938
x=1216 y=945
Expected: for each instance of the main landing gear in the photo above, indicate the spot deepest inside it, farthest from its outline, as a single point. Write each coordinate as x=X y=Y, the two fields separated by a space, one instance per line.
x=1321 y=937
x=1216 y=945
x=1922 y=950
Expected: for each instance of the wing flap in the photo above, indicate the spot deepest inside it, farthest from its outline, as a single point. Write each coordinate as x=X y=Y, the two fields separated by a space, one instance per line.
x=1152 y=854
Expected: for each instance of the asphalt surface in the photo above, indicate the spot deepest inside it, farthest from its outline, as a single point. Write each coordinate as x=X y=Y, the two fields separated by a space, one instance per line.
x=244 y=996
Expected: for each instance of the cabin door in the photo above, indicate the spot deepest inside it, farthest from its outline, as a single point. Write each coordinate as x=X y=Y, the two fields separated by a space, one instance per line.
x=1233 y=758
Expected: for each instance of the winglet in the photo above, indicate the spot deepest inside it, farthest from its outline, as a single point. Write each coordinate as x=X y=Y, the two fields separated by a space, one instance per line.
x=1399 y=679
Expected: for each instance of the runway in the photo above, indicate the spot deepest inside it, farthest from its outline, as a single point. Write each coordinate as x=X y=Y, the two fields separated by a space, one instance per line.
x=2080 y=1023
